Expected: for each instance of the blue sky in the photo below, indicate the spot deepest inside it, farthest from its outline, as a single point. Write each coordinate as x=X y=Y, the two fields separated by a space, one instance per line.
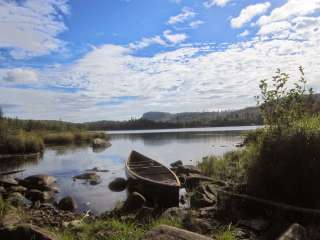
x=116 y=59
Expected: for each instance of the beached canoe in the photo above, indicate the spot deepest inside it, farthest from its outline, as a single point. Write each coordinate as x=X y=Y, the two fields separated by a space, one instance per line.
x=157 y=183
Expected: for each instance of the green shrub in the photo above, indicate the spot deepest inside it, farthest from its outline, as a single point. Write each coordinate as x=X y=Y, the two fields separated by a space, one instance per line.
x=287 y=166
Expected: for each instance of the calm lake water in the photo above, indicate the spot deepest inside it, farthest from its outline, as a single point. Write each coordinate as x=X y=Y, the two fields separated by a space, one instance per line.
x=166 y=146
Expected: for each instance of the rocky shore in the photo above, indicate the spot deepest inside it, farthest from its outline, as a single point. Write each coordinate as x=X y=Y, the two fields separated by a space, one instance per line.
x=204 y=211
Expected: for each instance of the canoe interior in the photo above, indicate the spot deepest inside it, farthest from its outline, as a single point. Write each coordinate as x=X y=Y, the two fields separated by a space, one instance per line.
x=150 y=169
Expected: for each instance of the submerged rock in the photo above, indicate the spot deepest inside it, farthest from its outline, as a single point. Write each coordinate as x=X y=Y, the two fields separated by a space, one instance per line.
x=118 y=184
x=97 y=169
x=90 y=177
x=134 y=202
x=67 y=204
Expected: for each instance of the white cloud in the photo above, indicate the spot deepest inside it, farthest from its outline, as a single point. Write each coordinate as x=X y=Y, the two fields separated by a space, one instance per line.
x=291 y=9
x=31 y=28
x=219 y=3
x=174 y=37
x=193 y=77
x=248 y=13
x=244 y=33
x=19 y=76
x=146 y=42
x=185 y=15
x=196 y=24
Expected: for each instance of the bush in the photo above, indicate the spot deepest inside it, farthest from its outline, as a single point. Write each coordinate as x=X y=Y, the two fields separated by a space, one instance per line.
x=287 y=166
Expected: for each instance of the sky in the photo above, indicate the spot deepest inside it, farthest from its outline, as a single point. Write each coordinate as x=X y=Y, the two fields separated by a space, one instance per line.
x=94 y=60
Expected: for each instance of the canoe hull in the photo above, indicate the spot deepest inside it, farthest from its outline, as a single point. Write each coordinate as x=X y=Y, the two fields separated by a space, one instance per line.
x=155 y=194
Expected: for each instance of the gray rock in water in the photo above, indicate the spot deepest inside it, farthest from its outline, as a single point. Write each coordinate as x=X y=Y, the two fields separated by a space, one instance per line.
x=118 y=184
x=18 y=200
x=90 y=177
x=39 y=181
x=67 y=204
x=37 y=195
x=134 y=202
x=294 y=232
x=26 y=231
x=176 y=164
x=100 y=143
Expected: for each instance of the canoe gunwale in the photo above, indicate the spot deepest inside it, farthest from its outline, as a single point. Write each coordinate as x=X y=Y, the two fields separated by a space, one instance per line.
x=137 y=176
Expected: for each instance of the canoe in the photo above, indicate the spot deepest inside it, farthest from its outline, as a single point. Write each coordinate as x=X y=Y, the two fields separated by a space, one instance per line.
x=157 y=183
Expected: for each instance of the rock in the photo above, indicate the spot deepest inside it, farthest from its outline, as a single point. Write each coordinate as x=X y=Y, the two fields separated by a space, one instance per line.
x=193 y=180
x=134 y=202
x=165 y=232
x=176 y=164
x=96 y=169
x=100 y=143
x=199 y=225
x=294 y=232
x=180 y=213
x=18 y=188
x=90 y=177
x=8 y=182
x=2 y=190
x=37 y=195
x=118 y=184
x=257 y=225
x=186 y=169
x=18 y=200
x=39 y=181
x=10 y=219
x=26 y=232
x=67 y=204
x=200 y=200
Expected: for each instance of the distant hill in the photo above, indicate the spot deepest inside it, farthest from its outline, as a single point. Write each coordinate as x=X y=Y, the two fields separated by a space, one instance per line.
x=250 y=114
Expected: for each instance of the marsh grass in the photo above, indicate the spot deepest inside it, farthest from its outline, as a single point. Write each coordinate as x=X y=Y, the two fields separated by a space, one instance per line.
x=225 y=233
x=62 y=138
x=21 y=142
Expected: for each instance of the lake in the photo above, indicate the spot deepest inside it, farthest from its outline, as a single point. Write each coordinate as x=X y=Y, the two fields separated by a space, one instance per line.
x=166 y=146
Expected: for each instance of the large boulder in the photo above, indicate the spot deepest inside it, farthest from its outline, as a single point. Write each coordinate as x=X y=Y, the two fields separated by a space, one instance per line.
x=134 y=202
x=37 y=195
x=18 y=200
x=165 y=232
x=26 y=232
x=118 y=184
x=39 y=181
x=100 y=143
x=68 y=204
x=294 y=232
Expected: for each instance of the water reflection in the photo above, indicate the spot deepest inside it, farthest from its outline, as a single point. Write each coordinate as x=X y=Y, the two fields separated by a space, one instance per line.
x=66 y=162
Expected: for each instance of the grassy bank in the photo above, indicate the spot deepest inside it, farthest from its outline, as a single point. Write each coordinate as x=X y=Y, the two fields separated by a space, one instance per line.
x=77 y=137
